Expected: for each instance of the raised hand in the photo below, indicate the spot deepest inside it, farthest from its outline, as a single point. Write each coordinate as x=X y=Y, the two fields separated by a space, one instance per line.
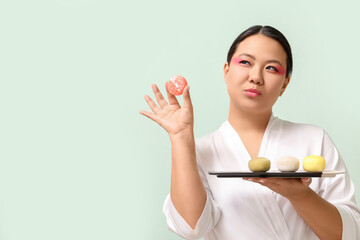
x=175 y=119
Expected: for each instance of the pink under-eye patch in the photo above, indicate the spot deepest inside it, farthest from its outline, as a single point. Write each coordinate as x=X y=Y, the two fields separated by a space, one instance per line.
x=236 y=60
x=281 y=70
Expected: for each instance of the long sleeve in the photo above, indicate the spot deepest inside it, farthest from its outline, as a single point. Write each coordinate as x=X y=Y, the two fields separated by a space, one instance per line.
x=206 y=222
x=340 y=191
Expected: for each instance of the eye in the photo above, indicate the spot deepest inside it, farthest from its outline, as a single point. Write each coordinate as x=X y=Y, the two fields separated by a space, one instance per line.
x=244 y=62
x=272 y=68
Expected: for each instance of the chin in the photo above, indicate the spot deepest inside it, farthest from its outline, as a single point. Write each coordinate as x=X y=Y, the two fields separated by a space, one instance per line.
x=252 y=108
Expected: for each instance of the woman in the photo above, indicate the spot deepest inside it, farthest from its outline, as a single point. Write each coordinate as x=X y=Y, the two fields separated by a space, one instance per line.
x=257 y=72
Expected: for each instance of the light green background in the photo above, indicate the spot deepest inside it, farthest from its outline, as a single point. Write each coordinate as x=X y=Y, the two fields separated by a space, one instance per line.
x=77 y=159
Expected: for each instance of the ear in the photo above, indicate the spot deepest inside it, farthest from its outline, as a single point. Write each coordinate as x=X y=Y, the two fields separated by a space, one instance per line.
x=286 y=82
x=226 y=71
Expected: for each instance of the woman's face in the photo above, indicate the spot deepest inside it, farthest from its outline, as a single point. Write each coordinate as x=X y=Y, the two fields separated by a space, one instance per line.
x=256 y=76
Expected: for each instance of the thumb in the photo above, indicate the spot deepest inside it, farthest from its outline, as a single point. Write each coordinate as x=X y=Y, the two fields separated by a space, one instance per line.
x=186 y=96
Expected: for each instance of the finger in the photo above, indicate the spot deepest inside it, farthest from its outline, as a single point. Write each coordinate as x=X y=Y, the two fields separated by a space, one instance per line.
x=150 y=115
x=306 y=181
x=152 y=104
x=172 y=99
x=266 y=181
x=248 y=179
x=277 y=181
x=257 y=180
x=274 y=183
x=186 y=96
x=159 y=97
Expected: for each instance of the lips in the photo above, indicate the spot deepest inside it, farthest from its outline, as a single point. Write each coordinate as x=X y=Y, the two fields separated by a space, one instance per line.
x=251 y=92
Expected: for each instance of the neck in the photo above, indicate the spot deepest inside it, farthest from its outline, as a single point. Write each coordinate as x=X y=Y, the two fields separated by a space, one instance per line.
x=244 y=121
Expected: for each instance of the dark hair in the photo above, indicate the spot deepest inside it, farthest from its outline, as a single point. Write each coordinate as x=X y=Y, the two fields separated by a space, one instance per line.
x=269 y=32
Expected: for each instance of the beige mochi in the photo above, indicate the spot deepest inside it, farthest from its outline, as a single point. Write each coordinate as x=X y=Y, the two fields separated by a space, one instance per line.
x=288 y=164
x=259 y=164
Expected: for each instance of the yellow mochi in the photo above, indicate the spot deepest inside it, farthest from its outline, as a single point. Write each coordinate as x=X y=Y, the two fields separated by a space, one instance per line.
x=314 y=163
x=259 y=164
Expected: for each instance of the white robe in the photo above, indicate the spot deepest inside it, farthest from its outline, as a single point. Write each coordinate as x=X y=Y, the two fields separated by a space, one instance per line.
x=237 y=209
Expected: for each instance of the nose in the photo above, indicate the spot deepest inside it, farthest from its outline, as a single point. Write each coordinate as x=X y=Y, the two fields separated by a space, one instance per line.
x=256 y=76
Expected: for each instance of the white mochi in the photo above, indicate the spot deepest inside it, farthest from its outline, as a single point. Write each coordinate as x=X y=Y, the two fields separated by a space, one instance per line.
x=288 y=164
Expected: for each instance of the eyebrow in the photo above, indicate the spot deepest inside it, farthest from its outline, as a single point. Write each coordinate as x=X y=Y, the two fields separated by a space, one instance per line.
x=269 y=61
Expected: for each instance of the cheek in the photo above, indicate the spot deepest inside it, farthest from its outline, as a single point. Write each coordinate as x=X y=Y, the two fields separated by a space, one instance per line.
x=238 y=73
x=276 y=86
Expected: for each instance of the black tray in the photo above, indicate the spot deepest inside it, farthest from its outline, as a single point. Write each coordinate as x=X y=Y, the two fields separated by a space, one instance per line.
x=299 y=174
